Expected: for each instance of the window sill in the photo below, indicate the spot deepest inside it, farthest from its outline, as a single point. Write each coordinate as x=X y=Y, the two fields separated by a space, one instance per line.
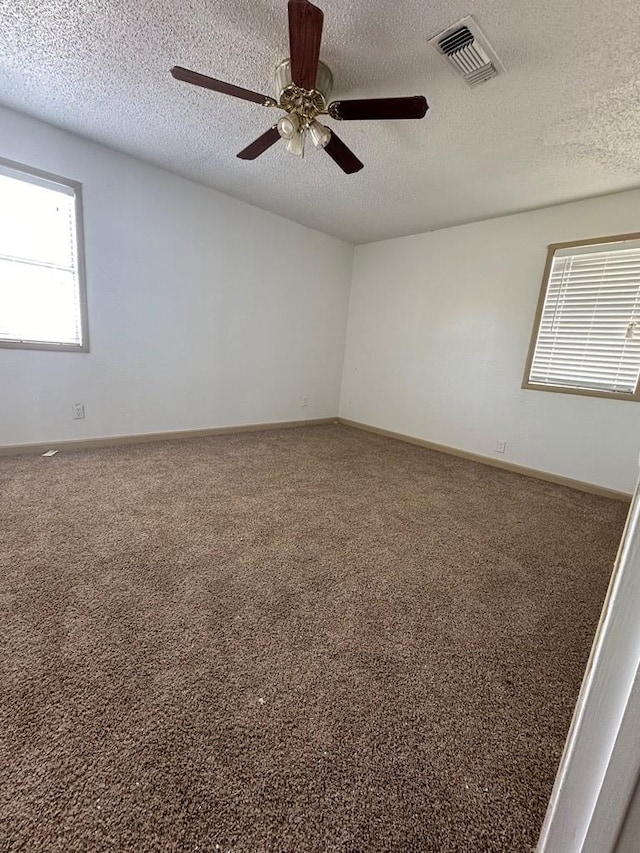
x=46 y=347
x=582 y=392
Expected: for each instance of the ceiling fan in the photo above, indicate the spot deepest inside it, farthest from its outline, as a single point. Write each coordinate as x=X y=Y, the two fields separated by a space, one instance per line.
x=304 y=85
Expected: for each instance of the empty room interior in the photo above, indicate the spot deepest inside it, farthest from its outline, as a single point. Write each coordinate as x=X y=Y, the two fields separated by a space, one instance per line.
x=319 y=427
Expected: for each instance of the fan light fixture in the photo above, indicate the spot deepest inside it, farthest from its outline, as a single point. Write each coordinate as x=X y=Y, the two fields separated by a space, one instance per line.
x=288 y=125
x=296 y=144
x=303 y=86
x=320 y=135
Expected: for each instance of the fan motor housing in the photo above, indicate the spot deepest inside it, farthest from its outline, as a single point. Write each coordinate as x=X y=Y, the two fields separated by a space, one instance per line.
x=287 y=91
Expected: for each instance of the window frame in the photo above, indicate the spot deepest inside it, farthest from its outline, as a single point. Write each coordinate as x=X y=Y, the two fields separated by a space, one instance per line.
x=48 y=179
x=527 y=385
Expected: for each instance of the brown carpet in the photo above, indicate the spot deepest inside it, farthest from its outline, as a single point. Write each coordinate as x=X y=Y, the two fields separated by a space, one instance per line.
x=304 y=640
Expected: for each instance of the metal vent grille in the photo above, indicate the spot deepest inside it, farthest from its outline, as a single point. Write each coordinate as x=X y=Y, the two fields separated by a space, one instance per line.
x=456 y=40
x=467 y=51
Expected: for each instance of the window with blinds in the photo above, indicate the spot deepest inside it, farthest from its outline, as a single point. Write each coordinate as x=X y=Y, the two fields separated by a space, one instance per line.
x=42 y=303
x=587 y=333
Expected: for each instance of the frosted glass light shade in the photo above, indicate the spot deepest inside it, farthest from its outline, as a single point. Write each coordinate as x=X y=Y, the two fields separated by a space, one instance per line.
x=320 y=135
x=288 y=125
x=296 y=144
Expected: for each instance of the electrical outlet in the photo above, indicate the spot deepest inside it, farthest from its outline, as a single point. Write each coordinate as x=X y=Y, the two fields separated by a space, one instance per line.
x=501 y=446
x=304 y=402
x=78 y=411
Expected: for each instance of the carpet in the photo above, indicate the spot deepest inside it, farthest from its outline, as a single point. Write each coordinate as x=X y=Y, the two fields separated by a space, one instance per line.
x=312 y=639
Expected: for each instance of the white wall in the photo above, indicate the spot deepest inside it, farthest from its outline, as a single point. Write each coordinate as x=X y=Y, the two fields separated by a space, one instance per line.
x=439 y=328
x=196 y=322
x=203 y=311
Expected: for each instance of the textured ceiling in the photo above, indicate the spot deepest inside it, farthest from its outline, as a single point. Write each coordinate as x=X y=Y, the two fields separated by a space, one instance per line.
x=561 y=124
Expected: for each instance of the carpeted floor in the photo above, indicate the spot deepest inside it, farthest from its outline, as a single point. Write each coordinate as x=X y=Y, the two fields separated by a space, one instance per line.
x=303 y=640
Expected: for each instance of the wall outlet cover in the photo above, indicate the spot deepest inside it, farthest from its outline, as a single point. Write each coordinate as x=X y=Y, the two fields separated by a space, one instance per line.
x=501 y=446
x=78 y=411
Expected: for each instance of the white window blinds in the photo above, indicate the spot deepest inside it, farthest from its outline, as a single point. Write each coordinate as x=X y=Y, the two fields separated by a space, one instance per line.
x=586 y=334
x=40 y=299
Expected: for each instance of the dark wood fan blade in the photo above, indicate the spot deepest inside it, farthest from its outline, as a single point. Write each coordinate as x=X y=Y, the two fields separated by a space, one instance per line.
x=305 y=35
x=343 y=156
x=375 y=108
x=260 y=145
x=219 y=86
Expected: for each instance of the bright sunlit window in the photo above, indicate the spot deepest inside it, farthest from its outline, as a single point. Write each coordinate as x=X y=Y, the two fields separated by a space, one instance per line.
x=586 y=335
x=42 y=300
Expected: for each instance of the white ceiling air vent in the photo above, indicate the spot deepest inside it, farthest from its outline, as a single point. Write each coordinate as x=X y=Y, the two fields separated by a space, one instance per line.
x=466 y=49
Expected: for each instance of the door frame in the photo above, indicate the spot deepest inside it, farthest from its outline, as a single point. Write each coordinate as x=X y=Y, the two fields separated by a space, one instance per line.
x=600 y=764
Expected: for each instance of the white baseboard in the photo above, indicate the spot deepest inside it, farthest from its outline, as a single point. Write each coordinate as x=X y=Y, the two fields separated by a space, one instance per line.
x=592 y=488
x=141 y=438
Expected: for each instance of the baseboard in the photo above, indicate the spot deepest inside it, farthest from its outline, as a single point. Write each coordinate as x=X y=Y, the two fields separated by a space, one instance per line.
x=142 y=438
x=592 y=488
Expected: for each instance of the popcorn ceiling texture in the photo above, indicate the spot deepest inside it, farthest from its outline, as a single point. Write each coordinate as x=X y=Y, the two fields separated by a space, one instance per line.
x=527 y=139
x=301 y=641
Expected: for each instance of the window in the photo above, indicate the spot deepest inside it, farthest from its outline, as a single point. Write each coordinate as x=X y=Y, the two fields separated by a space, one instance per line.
x=586 y=336
x=42 y=297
